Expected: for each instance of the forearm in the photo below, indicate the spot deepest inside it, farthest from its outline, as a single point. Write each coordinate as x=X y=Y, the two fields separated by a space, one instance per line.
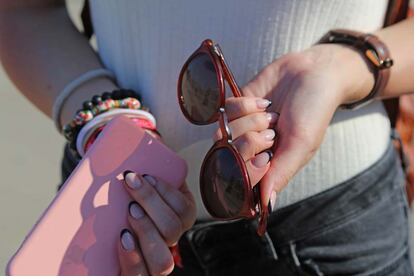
x=359 y=80
x=42 y=51
x=400 y=40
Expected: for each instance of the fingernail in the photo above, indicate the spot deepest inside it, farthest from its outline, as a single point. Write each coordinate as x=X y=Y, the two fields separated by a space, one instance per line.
x=262 y=159
x=132 y=181
x=272 y=117
x=127 y=240
x=126 y=172
x=150 y=179
x=263 y=103
x=273 y=199
x=135 y=210
x=269 y=134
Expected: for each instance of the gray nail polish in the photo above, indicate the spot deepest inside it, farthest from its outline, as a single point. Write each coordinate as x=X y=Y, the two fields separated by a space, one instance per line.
x=261 y=159
x=272 y=117
x=127 y=240
x=263 y=103
x=269 y=134
x=133 y=181
x=135 y=210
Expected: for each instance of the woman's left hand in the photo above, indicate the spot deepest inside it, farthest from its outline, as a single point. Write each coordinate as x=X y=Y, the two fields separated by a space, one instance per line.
x=158 y=216
x=305 y=89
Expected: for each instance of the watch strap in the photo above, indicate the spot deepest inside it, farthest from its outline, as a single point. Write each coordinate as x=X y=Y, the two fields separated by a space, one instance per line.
x=375 y=53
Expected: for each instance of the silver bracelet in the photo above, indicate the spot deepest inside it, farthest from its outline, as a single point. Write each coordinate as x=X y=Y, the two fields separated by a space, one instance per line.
x=70 y=87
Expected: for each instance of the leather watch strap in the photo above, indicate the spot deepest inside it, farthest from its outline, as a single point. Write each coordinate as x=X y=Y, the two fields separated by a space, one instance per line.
x=373 y=50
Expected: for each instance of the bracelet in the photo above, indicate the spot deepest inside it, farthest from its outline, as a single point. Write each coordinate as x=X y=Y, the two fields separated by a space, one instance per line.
x=101 y=120
x=121 y=98
x=70 y=87
x=375 y=53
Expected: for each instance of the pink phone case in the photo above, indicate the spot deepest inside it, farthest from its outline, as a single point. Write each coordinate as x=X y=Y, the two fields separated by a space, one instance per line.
x=79 y=231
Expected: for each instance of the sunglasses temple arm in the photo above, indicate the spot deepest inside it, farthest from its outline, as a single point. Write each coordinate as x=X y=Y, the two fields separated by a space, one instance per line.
x=228 y=74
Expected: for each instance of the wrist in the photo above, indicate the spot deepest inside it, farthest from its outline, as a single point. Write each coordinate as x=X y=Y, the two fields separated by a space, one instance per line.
x=84 y=93
x=356 y=78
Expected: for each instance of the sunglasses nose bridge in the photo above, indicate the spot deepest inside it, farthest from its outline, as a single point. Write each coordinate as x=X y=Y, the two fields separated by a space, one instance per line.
x=224 y=125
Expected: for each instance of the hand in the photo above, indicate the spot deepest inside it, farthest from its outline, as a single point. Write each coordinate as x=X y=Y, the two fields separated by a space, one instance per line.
x=158 y=215
x=305 y=89
x=252 y=133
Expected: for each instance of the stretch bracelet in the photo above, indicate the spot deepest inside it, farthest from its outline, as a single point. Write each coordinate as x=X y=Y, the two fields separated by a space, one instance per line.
x=87 y=131
x=121 y=98
x=72 y=86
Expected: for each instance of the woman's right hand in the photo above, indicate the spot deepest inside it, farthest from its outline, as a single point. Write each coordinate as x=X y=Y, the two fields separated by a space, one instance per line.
x=158 y=215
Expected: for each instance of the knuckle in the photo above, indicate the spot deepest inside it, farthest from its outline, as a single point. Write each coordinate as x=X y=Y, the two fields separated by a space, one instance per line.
x=260 y=121
x=173 y=231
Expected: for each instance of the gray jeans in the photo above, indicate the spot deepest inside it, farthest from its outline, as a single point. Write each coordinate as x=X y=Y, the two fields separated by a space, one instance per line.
x=359 y=227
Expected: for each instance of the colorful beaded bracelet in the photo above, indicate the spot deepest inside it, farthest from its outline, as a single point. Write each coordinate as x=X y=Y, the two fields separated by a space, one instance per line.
x=121 y=98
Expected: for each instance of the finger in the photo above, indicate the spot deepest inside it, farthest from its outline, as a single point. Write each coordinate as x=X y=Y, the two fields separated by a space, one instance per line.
x=181 y=203
x=130 y=256
x=237 y=107
x=252 y=122
x=258 y=166
x=252 y=143
x=290 y=155
x=155 y=251
x=164 y=218
x=264 y=82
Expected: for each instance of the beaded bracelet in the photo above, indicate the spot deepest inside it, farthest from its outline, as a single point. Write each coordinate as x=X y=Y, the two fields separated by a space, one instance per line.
x=121 y=98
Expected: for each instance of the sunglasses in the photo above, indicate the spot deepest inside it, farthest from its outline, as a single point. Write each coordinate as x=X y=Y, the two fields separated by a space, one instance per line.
x=225 y=185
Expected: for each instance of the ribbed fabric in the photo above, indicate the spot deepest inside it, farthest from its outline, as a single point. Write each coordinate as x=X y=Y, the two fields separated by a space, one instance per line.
x=146 y=42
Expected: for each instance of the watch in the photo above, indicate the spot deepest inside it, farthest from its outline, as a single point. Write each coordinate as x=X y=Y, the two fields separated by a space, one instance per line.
x=374 y=51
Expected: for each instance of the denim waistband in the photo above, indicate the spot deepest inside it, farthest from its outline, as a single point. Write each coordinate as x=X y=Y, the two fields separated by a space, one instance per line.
x=286 y=226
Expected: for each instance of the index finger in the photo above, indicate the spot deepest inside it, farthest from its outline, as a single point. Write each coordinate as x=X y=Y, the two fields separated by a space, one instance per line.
x=237 y=107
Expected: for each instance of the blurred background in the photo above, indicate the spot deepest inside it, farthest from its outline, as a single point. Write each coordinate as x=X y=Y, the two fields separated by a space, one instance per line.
x=30 y=155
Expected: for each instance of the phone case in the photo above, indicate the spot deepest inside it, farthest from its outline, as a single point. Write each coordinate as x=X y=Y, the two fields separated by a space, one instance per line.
x=78 y=233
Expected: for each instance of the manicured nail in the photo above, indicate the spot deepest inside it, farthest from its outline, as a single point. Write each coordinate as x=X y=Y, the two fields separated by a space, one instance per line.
x=127 y=240
x=263 y=103
x=135 y=210
x=132 y=181
x=126 y=172
x=150 y=179
x=273 y=199
x=269 y=134
x=262 y=159
x=272 y=117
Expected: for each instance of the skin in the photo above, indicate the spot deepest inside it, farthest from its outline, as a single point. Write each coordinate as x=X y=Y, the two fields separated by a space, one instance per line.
x=39 y=34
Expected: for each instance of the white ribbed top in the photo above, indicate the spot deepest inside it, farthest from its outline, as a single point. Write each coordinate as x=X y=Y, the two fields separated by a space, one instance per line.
x=146 y=42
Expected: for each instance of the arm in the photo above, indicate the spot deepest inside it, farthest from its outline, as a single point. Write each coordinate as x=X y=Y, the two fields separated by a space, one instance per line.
x=42 y=51
x=307 y=87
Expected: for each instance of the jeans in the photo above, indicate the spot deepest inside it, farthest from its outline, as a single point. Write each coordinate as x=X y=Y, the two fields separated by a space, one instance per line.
x=359 y=227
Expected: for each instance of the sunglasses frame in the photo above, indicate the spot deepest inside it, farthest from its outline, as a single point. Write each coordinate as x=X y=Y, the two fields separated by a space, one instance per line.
x=252 y=206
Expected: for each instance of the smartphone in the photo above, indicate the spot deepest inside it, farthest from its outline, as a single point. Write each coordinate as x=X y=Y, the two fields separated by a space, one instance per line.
x=78 y=233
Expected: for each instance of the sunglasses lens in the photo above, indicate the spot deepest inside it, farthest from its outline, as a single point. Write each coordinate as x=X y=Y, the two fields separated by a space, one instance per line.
x=200 y=89
x=222 y=184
